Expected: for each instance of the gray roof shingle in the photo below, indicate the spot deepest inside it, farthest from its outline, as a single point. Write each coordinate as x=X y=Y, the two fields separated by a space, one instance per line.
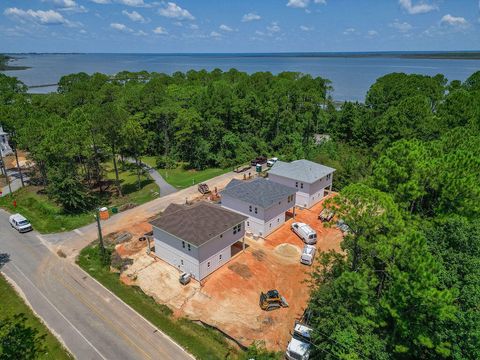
x=301 y=170
x=198 y=223
x=259 y=192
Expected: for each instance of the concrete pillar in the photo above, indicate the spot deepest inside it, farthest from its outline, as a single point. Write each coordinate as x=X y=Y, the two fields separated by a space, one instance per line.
x=243 y=244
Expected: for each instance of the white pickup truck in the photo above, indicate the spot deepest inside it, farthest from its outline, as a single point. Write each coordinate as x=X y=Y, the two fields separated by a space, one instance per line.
x=19 y=223
x=305 y=232
x=298 y=347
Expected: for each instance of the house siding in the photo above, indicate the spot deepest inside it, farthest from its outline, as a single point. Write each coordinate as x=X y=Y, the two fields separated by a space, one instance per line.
x=217 y=244
x=167 y=249
x=310 y=194
x=170 y=249
x=266 y=220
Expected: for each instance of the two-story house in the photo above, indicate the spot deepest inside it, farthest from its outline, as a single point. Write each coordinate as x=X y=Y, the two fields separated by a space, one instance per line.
x=5 y=148
x=198 y=238
x=312 y=180
x=264 y=202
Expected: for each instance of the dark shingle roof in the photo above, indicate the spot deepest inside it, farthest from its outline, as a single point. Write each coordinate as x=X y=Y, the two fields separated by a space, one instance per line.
x=198 y=223
x=301 y=170
x=259 y=192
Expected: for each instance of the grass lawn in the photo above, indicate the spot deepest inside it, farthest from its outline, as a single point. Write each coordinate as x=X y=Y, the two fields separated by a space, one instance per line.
x=42 y=212
x=202 y=342
x=181 y=178
x=12 y=304
x=47 y=217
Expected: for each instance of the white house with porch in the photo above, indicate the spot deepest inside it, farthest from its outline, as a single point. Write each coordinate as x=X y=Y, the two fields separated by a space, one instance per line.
x=313 y=181
x=5 y=148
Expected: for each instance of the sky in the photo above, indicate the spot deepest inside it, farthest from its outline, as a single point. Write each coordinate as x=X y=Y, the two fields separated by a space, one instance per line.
x=233 y=26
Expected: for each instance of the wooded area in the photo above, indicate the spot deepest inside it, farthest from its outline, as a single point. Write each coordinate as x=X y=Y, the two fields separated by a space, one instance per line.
x=408 y=286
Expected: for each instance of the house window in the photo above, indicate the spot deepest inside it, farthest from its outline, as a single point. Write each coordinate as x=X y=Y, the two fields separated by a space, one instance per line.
x=208 y=264
x=329 y=176
x=237 y=228
x=248 y=223
x=221 y=235
x=296 y=183
x=278 y=220
x=189 y=248
x=256 y=210
x=181 y=261
x=301 y=186
x=270 y=224
x=279 y=202
x=183 y=244
x=250 y=208
x=220 y=257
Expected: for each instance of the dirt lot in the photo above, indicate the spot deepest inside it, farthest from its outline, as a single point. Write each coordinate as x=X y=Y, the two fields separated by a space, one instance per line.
x=228 y=298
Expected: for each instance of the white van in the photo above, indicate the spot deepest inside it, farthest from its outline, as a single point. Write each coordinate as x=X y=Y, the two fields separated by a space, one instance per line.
x=305 y=232
x=19 y=223
x=308 y=254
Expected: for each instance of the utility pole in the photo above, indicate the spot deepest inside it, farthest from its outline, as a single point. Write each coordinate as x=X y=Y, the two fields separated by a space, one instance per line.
x=100 y=238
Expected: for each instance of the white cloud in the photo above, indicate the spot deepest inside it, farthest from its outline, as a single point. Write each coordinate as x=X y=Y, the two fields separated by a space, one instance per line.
x=306 y=28
x=455 y=21
x=193 y=26
x=160 y=31
x=67 y=5
x=401 y=26
x=121 y=27
x=259 y=33
x=323 y=2
x=215 y=34
x=273 y=28
x=372 y=33
x=134 y=16
x=131 y=2
x=226 y=28
x=174 y=11
x=298 y=3
x=349 y=31
x=251 y=17
x=141 y=33
x=48 y=17
x=101 y=1
x=420 y=8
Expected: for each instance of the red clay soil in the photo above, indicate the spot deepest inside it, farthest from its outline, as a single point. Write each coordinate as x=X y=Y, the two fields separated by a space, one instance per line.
x=233 y=290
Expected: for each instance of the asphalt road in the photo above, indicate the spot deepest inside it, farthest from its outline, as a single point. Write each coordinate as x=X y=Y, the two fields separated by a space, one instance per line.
x=91 y=321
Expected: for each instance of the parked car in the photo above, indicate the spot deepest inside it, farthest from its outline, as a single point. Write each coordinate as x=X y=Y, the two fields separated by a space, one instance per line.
x=305 y=232
x=343 y=227
x=258 y=161
x=308 y=254
x=272 y=161
x=185 y=278
x=19 y=223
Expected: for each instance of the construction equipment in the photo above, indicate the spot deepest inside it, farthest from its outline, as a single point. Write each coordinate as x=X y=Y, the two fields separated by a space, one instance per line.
x=203 y=188
x=272 y=300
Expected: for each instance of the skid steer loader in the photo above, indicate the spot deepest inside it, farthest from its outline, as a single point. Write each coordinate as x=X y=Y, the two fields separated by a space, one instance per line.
x=272 y=300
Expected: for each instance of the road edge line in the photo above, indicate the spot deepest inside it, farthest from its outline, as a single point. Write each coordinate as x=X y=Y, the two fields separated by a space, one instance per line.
x=136 y=312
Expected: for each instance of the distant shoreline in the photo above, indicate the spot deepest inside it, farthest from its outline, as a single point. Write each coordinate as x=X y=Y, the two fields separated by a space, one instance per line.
x=440 y=55
x=5 y=66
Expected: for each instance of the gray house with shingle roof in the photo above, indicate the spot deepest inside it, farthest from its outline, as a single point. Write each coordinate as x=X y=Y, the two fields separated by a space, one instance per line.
x=264 y=202
x=311 y=179
x=198 y=238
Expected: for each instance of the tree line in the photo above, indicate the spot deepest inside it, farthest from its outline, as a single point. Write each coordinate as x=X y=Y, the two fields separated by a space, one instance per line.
x=408 y=283
x=199 y=119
